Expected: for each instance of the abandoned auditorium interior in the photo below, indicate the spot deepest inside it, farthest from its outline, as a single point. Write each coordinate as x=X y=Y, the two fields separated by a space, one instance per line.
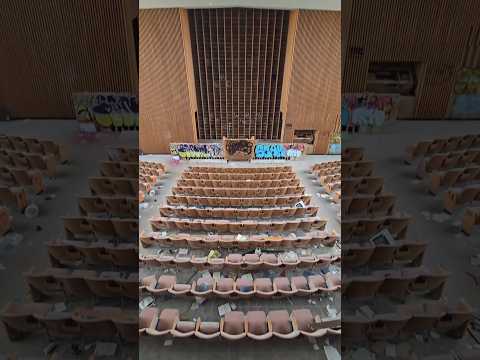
x=239 y=180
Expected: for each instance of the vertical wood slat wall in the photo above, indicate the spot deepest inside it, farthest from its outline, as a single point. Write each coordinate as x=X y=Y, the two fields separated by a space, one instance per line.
x=165 y=104
x=238 y=57
x=312 y=100
x=432 y=33
x=51 y=49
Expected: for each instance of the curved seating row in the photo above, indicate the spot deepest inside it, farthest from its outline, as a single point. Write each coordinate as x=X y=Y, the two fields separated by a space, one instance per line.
x=80 y=284
x=242 y=287
x=236 y=261
x=238 y=213
x=99 y=322
x=446 y=161
x=238 y=192
x=82 y=227
x=240 y=170
x=223 y=226
x=452 y=177
x=239 y=202
x=234 y=241
x=28 y=161
x=455 y=197
x=353 y=229
x=237 y=184
x=115 y=206
x=235 y=176
x=35 y=146
x=236 y=325
x=396 y=284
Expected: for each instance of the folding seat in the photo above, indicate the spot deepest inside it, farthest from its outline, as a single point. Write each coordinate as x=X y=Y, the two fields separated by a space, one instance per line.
x=352 y=154
x=44 y=284
x=279 y=191
x=59 y=325
x=164 y=323
x=261 y=192
x=428 y=282
x=282 y=325
x=20 y=319
x=96 y=322
x=317 y=283
x=301 y=241
x=160 y=285
x=282 y=286
x=202 y=287
x=224 y=287
x=207 y=329
x=455 y=319
x=244 y=287
x=263 y=226
x=270 y=202
x=234 y=261
x=104 y=285
x=362 y=287
x=396 y=284
x=356 y=255
x=292 y=225
x=356 y=207
x=270 y=260
x=127 y=323
x=236 y=201
x=74 y=285
x=318 y=224
x=471 y=217
x=251 y=261
x=288 y=212
x=386 y=327
x=233 y=326
x=264 y=288
x=63 y=252
x=300 y=286
x=420 y=318
x=126 y=229
x=366 y=228
x=258 y=327
x=184 y=328
x=306 y=324
x=180 y=289
x=398 y=226
x=227 y=241
x=306 y=224
x=409 y=253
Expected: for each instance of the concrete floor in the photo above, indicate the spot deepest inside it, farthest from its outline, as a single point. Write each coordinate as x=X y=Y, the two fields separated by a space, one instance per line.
x=152 y=347
x=70 y=181
x=448 y=247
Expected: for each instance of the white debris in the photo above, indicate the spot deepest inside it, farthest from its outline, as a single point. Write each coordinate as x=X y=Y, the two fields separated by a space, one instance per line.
x=168 y=342
x=224 y=309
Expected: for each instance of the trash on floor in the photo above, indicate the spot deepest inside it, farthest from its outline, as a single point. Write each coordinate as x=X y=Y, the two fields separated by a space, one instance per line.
x=224 y=309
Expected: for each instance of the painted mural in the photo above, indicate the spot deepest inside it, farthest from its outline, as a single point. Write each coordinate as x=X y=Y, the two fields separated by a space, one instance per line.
x=279 y=151
x=239 y=149
x=466 y=103
x=365 y=110
x=197 y=151
x=102 y=111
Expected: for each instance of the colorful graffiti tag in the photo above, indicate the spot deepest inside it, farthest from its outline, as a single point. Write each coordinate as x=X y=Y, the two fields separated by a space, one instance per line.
x=239 y=149
x=467 y=95
x=101 y=111
x=367 y=110
x=197 y=151
x=278 y=151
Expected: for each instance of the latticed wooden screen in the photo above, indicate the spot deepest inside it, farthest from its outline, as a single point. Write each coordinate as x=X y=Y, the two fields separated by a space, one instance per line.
x=238 y=59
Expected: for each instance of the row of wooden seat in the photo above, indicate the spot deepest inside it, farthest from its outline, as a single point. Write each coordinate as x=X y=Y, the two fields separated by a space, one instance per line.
x=365 y=228
x=407 y=319
x=80 y=284
x=471 y=218
x=113 y=186
x=362 y=185
x=446 y=161
x=327 y=171
x=236 y=261
x=188 y=200
x=360 y=206
x=237 y=213
x=244 y=226
x=246 y=241
x=326 y=165
x=114 y=206
x=355 y=169
x=238 y=192
x=27 y=161
x=35 y=146
x=187 y=175
x=236 y=325
x=456 y=197
x=402 y=252
x=15 y=177
x=240 y=170
x=238 y=184
x=75 y=253
x=119 y=169
x=395 y=284
x=352 y=154
x=452 y=178
x=430 y=147
x=122 y=153
x=227 y=287
x=82 y=227
x=13 y=197
x=100 y=322
x=153 y=166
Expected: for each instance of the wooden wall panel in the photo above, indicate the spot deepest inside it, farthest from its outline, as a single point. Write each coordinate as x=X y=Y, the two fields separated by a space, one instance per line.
x=50 y=49
x=165 y=106
x=314 y=88
x=432 y=33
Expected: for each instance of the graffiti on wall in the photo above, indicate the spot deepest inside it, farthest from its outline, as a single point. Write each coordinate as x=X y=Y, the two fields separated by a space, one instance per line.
x=467 y=94
x=368 y=110
x=278 y=151
x=197 y=151
x=101 y=111
x=239 y=149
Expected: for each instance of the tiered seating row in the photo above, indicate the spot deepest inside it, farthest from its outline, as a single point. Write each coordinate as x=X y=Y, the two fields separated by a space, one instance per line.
x=239 y=202
x=34 y=146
